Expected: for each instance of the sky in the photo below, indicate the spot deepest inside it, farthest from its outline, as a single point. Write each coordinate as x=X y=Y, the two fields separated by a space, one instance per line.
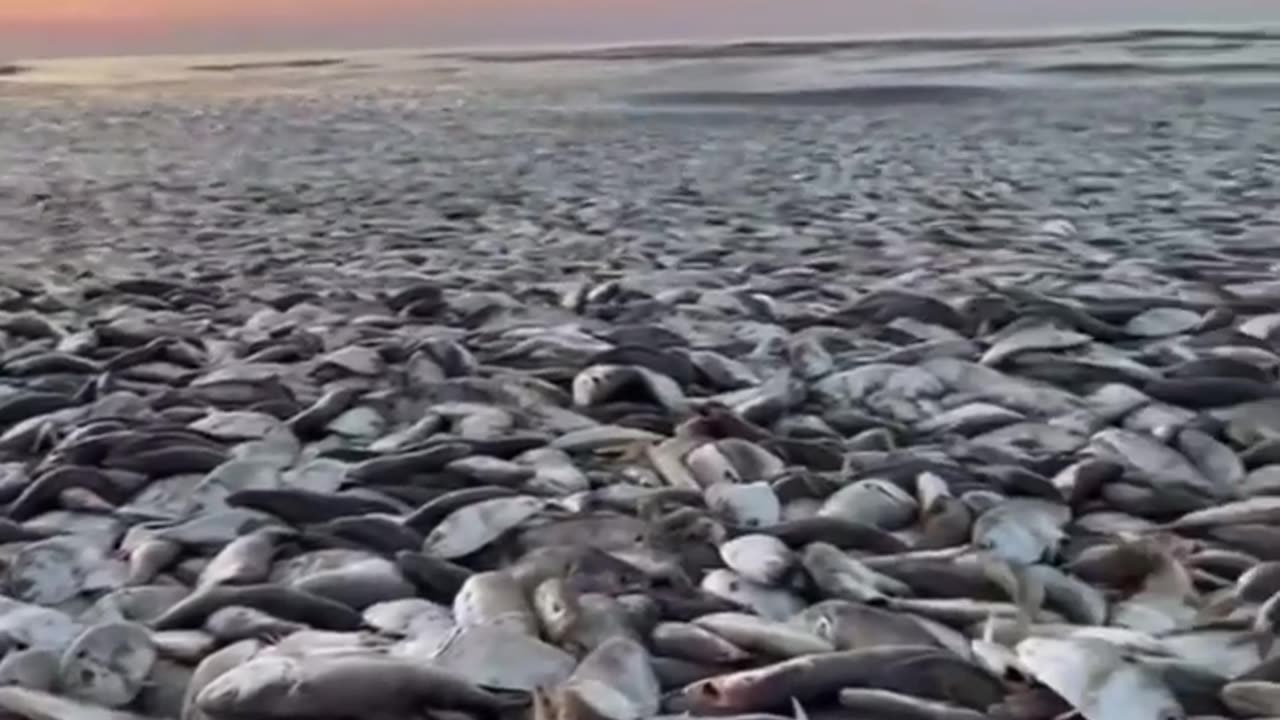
x=40 y=28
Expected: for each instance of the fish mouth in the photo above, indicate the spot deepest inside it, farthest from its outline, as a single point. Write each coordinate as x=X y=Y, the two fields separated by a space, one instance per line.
x=218 y=700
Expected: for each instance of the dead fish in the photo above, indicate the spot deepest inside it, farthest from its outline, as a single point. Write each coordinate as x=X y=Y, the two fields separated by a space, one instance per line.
x=36 y=669
x=962 y=612
x=757 y=634
x=1098 y=680
x=579 y=622
x=599 y=383
x=841 y=532
x=842 y=577
x=696 y=644
x=245 y=560
x=768 y=602
x=1153 y=462
x=615 y=682
x=877 y=503
x=1215 y=460
x=855 y=626
x=497 y=657
x=474 y=526
x=1031 y=339
x=745 y=505
x=339 y=685
x=236 y=623
x=772 y=687
x=26 y=703
x=1162 y=322
x=1022 y=531
x=494 y=598
x=107 y=664
x=885 y=703
x=970 y=419
x=283 y=602
x=1258 y=510
x=762 y=559
x=1252 y=698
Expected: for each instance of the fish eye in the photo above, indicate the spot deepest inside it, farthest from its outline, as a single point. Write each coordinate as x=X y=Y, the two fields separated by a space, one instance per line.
x=710 y=690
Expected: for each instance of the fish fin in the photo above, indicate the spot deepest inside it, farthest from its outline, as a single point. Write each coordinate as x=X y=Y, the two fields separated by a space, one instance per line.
x=1265 y=641
x=989 y=629
x=797 y=710
x=1216 y=607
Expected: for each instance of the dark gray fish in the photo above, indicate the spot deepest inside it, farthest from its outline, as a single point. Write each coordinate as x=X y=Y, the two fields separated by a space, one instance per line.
x=400 y=467
x=283 y=602
x=303 y=507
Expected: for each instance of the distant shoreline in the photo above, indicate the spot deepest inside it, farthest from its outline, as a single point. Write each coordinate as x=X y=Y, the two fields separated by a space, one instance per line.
x=268 y=65
x=625 y=47
x=12 y=70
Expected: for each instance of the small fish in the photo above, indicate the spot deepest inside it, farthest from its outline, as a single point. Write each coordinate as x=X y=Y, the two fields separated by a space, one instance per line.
x=1098 y=680
x=472 y=527
x=762 y=559
x=757 y=634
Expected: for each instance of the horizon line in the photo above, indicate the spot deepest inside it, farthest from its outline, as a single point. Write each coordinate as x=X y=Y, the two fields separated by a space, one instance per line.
x=1100 y=29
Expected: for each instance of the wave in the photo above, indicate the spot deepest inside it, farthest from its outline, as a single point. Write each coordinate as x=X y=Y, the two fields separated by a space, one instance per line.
x=269 y=65
x=862 y=95
x=768 y=48
x=1086 y=68
x=13 y=70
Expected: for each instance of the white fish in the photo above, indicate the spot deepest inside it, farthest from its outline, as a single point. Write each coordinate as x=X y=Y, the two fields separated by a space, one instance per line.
x=1097 y=679
x=33 y=669
x=757 y=634
x=759 y=558
x=470 y=528
x=1252 y=698
x=497 y=657
x=874 y=502
x=710 y=466
x=1215 y=460
x=37 y=705
x=108 y=664
x=1030 y=339
x=765 y=601
x=1021 y=531
x=748 y=505
x=1150 y=460
x=616 y=681
x=841 y=576
x=1162 y=322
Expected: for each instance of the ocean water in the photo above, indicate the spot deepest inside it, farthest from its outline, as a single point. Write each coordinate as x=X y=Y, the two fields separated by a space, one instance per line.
x=874 y=69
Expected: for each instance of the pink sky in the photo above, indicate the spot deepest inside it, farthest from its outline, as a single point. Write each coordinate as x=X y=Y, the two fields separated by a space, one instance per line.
x=74 y=27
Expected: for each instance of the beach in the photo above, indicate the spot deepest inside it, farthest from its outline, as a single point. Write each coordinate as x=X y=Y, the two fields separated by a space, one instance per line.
x=844 y=147
x=901 y=377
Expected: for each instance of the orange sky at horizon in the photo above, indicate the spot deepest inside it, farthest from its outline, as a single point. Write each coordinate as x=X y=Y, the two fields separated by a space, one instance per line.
x=105 y=25
x=83 y=12
x=39 y=28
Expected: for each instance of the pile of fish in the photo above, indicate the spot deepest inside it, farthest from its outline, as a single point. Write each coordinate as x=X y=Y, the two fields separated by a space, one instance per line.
x=766 y=491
